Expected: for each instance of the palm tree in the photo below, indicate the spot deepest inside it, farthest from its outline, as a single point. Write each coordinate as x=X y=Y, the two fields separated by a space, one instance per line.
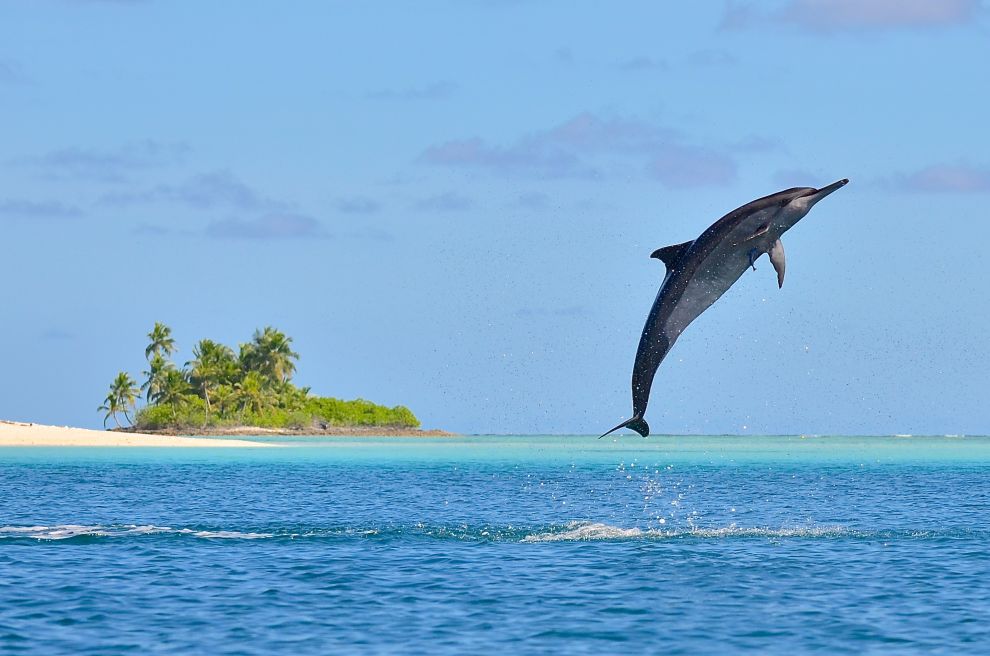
x=247 y=360
x=213 y=365
x=250 y=392
x=172 y=390
x=223 y=398
x=158 y=367
x=111 y=407
x=123 y=394
x=161 y=341
x=290 y=397
x=270 y=354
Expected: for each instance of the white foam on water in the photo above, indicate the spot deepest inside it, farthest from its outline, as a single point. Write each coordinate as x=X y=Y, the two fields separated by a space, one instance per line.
x=756 y=532
x=586 y=531
x=598 y=531
x=147 y=529
x=66 y=531
x=220 y=535
x=58 y=532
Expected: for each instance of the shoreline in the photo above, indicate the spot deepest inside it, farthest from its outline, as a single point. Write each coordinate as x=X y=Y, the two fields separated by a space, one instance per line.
x=330 y=431
x=17 y=433
x=20 y=433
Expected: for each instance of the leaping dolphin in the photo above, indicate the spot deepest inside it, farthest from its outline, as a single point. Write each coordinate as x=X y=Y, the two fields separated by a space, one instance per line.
x=700 y=271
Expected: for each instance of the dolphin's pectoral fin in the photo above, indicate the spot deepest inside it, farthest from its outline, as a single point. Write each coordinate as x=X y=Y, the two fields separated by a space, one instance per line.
x=753 y=256
x=777 y=260
x=670 y=254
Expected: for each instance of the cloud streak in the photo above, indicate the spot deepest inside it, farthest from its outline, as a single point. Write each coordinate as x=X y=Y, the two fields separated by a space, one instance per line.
x=358 y=205
x=686 y=167
x=57 y=335
x=944 y=178
x=829 y=16
x=10 y=73
x=642 y=63
x=269 y=226
x=434 y=91
x=715 y=58
x=709 y=58
x=528 y=157
x=207 y=191
x=29 y=209
x=529 y=312
x=116 y=165
x=532 y=201
x=445 y=202
x=584 y=147
x=107 y=2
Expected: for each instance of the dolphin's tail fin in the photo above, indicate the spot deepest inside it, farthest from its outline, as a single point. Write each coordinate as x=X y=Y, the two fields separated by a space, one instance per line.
x=638 y=424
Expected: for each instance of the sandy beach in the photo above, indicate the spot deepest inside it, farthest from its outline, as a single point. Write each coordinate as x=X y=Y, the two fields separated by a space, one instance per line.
x=14 y=433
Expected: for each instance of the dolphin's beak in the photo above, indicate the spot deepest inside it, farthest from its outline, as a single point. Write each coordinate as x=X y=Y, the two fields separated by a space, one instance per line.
x=825 y=191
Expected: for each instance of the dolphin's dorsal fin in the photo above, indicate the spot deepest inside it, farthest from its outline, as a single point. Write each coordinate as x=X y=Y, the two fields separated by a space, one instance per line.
x=670 y=254
x=777 y=260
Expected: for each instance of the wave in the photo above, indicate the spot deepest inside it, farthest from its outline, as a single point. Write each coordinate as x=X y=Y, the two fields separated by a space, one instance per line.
x=576 y=531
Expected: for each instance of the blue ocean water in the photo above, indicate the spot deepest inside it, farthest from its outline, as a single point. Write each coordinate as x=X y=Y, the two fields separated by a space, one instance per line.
x=522 y=544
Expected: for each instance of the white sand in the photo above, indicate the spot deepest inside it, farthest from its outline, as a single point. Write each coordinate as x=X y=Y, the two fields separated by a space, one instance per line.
x=14 y=433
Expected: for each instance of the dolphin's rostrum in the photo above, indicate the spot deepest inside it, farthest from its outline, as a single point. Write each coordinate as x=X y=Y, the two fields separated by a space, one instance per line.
x=700 y=271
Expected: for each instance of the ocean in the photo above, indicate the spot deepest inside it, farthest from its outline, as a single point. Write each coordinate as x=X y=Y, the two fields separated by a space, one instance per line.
x=522 y=544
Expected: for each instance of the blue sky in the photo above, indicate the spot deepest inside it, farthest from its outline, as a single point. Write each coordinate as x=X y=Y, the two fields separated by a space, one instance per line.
x=451 y=205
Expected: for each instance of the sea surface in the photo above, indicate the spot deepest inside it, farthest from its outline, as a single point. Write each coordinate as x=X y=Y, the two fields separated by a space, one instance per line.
x=521 y=545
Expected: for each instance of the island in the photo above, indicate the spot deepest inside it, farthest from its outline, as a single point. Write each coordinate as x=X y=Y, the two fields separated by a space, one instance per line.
x=250 y=392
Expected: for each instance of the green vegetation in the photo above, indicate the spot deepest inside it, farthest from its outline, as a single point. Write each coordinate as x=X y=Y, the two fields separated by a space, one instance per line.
x=219 y=388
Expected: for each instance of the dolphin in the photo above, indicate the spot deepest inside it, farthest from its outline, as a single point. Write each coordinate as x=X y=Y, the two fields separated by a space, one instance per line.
x=700 y=271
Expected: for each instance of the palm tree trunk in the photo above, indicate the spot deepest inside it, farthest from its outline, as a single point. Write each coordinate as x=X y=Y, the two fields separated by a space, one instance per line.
x=206 y=395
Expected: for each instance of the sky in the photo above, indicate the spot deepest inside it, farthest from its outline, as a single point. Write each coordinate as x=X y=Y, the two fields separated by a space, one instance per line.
x=451 y=205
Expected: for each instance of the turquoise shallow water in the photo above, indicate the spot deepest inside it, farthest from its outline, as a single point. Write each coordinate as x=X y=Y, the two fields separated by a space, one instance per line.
x=529 y=544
